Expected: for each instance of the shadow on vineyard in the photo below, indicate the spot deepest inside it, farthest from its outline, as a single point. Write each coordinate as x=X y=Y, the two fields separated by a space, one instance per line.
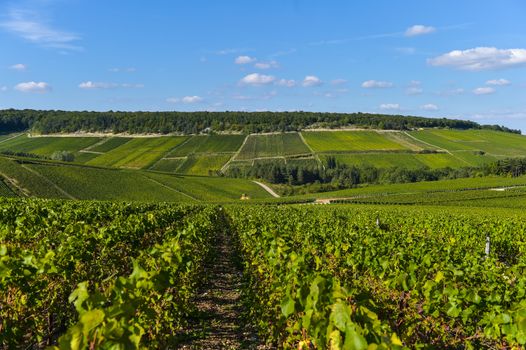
x=219 y=321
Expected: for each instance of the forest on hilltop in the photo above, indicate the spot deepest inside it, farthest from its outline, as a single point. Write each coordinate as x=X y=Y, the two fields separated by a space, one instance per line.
x=54 y=121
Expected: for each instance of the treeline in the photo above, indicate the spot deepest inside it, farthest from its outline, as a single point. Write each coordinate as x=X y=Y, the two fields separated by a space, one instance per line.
x=46 y=122
x=304 y=178
x=63 y=156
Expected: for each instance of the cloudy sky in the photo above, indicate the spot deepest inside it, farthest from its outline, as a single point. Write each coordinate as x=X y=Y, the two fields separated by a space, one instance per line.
x=463 y=59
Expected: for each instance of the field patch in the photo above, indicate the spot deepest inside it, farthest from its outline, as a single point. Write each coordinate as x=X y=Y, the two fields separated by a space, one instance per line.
x=208 y=144
x=212 y=188
x=169 y=165
x=440 y=160
x=45 y=146
x=495 y=143
x=353 y=141
x=27 y=182
x=110 y=144
x=378 y=160
x=106 y=184
x=273 y=145
x=138 y=153
x=203 y=164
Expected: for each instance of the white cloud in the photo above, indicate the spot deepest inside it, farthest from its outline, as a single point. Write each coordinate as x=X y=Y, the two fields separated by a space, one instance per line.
x=481 y=58
x=244 y=60
x=31 y=86
x=484 y=91
x=230 y=51
x=414 y=90
x=191 y=99
x=286 y=82
x=419 y=30
x=30 y=26
x=132 y=86
x=257 y=79
x=498 y=82
x=125 y=69
x=185 y=99
x=89 y=85
x=337 y=82
x=242 y=97
x=3 y=88
x=266 y=65
x=452 y=92
x=311 y=80
x=173 y=99
x=390 y=106
x=19 y=67
x=375 y=84
x=406 y=50
x=429 y=107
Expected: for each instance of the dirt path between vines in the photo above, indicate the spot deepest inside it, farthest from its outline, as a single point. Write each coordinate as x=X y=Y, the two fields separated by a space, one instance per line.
x=220 y=323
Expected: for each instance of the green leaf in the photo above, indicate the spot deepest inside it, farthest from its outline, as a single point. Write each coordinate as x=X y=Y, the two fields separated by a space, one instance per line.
x=335 y=340
x=354 y=340
x=91 y=319
x=341 y=315
x=137 y=333
x=79 y=295
x=287 y=306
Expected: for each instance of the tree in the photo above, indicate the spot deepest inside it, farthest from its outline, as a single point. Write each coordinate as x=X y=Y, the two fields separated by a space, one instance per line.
x=63 y=156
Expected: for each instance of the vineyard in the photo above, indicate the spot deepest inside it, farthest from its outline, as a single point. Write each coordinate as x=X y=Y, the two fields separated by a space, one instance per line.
x=81 y=275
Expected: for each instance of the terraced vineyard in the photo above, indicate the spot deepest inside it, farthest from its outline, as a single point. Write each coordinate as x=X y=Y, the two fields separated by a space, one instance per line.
x=50 y=180
x=348 y=141
x=138 y=153
x=273 y=145
x=339 y=277
x=211 y=154
x=45 y=146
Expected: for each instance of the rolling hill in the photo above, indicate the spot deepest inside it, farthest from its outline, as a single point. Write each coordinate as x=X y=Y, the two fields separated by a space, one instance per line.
x=208 y=154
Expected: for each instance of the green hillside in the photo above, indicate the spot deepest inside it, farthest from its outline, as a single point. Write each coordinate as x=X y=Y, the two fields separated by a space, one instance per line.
x=349 y=141
x=273 y=145
x=138 y=153
x=45 y=146
x=208 y=154
x=52 y=180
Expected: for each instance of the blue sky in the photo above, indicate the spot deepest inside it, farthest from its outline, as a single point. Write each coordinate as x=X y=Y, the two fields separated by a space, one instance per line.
x=463 y=59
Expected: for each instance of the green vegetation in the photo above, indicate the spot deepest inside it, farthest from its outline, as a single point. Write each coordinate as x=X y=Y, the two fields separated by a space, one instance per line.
x=384 y=278
x=109 y=144
x=100 y=275
x=48 y=122
x=203 y=165
x=214 y=189
x=26 y=182
x=421 y=189
x=169 y=165
x=349 y=141
x=138 y=153
x=208 y=144
x=5 y=191
x=273 y=145
x=46 y=146
x=381 y=160
x=48 y=180
x=491 y=142
x=63 y=156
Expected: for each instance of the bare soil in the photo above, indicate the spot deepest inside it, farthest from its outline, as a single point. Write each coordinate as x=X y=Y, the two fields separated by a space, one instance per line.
x=219 y=322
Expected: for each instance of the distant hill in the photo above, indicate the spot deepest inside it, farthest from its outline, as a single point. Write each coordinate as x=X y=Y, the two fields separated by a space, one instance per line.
x=213 y=154
x=47 y=122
